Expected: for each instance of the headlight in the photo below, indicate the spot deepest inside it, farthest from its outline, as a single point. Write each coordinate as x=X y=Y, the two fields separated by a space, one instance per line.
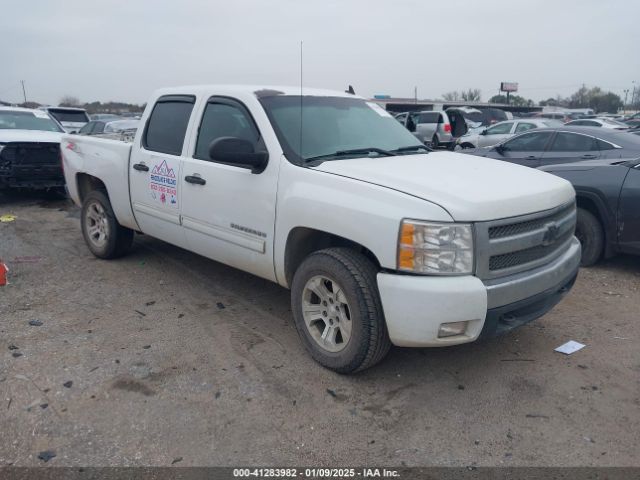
x=435 y=248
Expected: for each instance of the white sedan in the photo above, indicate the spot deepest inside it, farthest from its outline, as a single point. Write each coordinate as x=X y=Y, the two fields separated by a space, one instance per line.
x=498 y=132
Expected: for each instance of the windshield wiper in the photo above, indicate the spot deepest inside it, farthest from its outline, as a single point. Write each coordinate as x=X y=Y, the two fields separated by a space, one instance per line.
x=353 y=151
x=412 y=148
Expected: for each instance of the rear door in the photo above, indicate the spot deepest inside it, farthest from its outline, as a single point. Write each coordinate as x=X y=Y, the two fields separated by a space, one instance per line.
x=426 y=125
x=155 y=168
x=525 y=149
x=571 y=147
x=495 y=134
x=629 y=213
x=228 y=212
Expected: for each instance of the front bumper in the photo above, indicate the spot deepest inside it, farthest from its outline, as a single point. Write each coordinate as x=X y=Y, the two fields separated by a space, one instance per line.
x=416 y=306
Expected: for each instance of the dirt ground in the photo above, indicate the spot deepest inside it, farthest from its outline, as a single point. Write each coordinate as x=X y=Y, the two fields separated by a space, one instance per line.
x=164 y=357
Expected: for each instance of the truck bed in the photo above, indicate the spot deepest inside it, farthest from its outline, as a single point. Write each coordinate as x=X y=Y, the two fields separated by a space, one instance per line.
x=103 y=159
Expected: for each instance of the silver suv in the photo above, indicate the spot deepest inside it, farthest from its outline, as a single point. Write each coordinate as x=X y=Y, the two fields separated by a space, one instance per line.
x=434 y=128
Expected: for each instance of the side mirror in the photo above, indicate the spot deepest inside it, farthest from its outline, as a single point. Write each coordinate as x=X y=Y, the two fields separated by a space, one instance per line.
x=238 y=151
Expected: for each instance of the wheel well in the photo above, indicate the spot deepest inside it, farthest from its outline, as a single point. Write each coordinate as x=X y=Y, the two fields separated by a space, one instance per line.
x=88 y=183
x=303 y=241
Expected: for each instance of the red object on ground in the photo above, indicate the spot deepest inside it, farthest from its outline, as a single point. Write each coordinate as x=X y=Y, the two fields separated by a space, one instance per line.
x=3 y=274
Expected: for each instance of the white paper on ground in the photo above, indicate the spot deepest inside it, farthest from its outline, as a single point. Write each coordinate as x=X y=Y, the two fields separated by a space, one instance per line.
x=569 y=347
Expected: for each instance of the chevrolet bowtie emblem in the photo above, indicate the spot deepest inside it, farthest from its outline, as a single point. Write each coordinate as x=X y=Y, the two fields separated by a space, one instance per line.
x=551 y=234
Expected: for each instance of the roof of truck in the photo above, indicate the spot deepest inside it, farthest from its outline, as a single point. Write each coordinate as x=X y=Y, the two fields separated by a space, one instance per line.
x=254 y=90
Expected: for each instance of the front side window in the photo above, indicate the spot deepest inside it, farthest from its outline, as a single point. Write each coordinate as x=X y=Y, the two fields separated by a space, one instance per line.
x=572 y=142
x=168 y=123
x=224 y=120
x=500 y=129
x=325 y=126
x=528 y=142
x=523 y=127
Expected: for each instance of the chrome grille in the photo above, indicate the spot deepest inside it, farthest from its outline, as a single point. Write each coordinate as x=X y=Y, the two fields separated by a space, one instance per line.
x=517 y=244
x=528 y=226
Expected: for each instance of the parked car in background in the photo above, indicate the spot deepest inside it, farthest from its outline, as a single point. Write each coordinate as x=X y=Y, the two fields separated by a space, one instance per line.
x=562 y=145
x=29 y=149
x=635 y=123
x=434 y=128
x=608 y=200
x=502 y=131
x=562 y=116
x=71 y=119
x=105 y=116
x=112 y=129
x=601 y=122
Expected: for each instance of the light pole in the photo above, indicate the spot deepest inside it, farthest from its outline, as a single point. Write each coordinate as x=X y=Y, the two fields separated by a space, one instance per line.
x=624 y=105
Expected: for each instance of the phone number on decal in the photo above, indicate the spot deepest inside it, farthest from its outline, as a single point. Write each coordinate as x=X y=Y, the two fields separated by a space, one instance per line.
x=294 y=472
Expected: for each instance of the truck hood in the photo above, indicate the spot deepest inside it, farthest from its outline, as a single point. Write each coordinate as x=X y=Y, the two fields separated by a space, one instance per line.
x=10 y=135
x=469 y=188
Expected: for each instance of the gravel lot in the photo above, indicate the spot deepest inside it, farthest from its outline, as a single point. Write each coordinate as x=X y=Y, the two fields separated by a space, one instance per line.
x=164 y=357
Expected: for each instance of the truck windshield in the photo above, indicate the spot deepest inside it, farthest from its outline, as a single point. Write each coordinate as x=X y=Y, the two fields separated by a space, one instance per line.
x=335 y=127
x=15 y=120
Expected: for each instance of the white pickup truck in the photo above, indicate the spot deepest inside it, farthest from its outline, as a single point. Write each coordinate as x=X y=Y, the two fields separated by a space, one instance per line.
x=380 y=240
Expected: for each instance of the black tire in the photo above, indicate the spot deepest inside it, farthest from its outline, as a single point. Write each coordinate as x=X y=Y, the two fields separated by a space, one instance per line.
x=369 y=341
x=117 y=239
x=434 y=142
x=589 y=232
x=464 y=146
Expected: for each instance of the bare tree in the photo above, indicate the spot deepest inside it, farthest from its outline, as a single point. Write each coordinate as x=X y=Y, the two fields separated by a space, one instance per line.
x=69 y=101
x=471 y=95
x=452 y=96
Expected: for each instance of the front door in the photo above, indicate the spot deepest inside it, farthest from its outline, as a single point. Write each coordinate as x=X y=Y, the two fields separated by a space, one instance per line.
x=154 y=169
x=629 y=213
x=495 y=134
x=525 y=149
x=228 y=211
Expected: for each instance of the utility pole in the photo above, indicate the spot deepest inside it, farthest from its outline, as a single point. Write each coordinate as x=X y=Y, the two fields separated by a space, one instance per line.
x=415 y=94
x=24 y=92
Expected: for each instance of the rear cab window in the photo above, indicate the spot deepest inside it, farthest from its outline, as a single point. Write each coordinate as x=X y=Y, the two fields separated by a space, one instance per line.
x=167 y=125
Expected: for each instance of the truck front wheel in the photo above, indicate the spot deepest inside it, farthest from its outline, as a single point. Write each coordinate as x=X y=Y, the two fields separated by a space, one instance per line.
x=104 y=236
x=337 y=310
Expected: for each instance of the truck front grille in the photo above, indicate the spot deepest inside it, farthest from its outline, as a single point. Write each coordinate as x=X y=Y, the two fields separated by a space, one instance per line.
x=31 y=153
x=517 y=244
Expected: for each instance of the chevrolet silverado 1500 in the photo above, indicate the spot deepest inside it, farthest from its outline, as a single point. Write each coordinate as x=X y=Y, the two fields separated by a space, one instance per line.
x=379 y=240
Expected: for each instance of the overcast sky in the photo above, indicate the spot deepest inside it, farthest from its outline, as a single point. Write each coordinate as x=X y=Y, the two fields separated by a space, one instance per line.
x=124 y=49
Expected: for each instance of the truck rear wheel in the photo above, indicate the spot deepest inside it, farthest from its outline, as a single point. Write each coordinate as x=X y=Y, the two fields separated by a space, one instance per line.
x=591 y=236
x=337 y=310
x=104 y=236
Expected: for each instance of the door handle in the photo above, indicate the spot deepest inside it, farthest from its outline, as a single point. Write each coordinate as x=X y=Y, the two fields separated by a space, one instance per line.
x=531 y=157
x=588 y=156
x=195 y=179
x=141 y=167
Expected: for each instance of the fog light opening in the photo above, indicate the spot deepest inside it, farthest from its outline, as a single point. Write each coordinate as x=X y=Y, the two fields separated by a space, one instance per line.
x=452 y=329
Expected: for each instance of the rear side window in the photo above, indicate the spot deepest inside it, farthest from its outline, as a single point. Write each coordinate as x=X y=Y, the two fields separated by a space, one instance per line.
x=224 y=119
x=168 y=123
x=571 y=142
x=430 y=117
x=602 y=145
